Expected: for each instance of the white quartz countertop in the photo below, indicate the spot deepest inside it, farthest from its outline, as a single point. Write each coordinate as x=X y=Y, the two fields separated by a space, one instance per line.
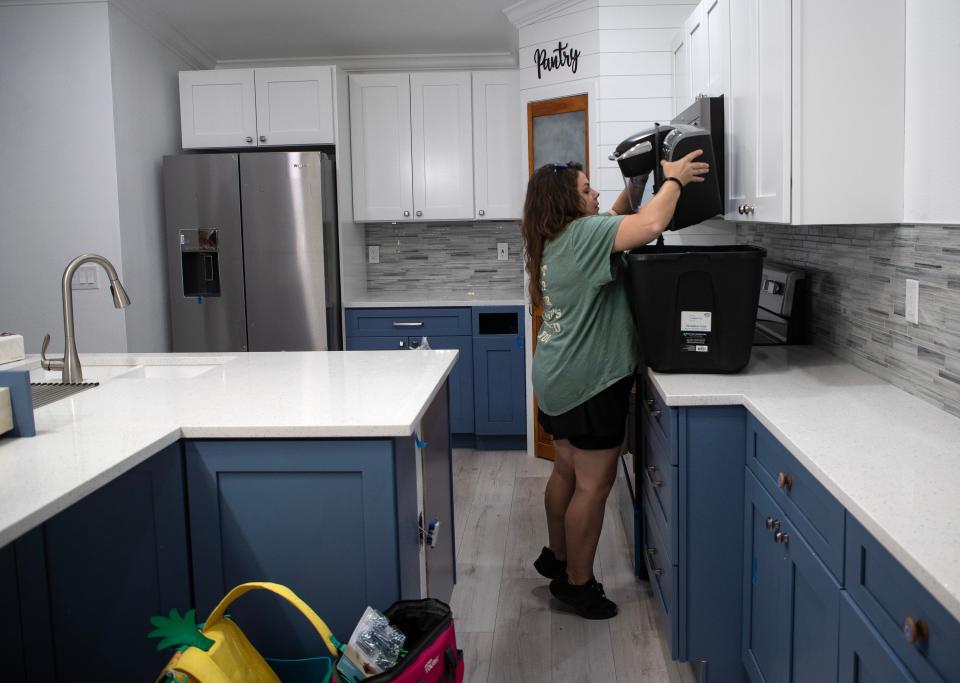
x=421 y=298
x=892 y=460
x=149 y=402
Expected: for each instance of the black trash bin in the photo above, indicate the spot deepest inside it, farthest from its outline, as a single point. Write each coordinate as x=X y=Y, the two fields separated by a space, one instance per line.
x=695 y=307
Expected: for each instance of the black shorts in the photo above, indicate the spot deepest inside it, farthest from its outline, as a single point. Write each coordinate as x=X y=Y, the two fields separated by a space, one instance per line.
x=596 y=424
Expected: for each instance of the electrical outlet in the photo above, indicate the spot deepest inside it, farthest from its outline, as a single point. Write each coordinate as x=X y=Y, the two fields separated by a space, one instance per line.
x=913 y=302
x=85 y=278
x=503 y=252
x=373 y=253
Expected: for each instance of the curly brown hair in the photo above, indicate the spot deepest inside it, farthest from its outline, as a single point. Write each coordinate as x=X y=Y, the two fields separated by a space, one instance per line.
x=552 y=201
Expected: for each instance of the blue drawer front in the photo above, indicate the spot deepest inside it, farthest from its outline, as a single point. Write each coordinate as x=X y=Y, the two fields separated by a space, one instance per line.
x=664 y=577
x=368 y=322
x=816 y=513
x=864 y=656
x=888 y=594
x=659 y=479
x=658 y=416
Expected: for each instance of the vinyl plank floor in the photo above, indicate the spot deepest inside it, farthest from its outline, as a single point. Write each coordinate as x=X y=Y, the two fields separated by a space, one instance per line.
x=508 y=625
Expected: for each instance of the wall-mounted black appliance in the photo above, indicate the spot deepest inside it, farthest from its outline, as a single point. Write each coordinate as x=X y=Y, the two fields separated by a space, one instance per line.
x=698 y=127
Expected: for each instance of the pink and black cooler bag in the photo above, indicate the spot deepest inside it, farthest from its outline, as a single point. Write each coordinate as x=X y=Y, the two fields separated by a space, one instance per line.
x=432 y=655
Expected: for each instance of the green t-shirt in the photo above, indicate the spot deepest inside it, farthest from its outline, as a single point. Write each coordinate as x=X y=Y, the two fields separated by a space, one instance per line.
x=587 y=340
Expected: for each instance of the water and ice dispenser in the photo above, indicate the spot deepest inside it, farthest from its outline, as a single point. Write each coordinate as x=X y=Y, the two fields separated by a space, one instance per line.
x=200 y=262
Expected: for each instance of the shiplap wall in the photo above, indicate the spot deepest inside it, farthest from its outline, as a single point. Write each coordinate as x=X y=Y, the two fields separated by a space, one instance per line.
x=625 y=68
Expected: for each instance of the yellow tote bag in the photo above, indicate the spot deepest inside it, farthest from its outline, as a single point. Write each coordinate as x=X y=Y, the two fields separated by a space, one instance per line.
x=222 y=653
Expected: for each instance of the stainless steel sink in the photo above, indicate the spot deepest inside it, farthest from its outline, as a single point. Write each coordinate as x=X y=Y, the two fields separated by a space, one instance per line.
x=44 y=393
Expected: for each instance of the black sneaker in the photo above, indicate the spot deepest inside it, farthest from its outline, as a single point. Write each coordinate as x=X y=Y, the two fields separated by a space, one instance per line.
x=549 y=566
x=588 y=600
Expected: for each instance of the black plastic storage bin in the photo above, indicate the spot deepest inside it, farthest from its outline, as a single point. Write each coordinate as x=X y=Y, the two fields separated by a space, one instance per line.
x=695 y=307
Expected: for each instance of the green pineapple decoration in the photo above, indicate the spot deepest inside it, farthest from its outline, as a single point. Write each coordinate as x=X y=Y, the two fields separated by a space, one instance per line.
x=179 y=632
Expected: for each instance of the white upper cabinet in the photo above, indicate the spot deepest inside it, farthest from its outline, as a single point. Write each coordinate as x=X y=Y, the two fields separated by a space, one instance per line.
x=814 y=110
x=218 y=109
x=498 y=193
x=442 y=151
x=701 y=54
x=380 y=142
x=682 y=87
x=295 y=105
x=256 y=107
x=412 y=138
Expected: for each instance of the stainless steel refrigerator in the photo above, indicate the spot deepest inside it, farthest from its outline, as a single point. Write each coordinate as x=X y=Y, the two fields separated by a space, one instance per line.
x=252 y=251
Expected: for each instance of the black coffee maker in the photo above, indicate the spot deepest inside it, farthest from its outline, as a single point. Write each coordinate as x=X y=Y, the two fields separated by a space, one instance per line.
x=639 y=158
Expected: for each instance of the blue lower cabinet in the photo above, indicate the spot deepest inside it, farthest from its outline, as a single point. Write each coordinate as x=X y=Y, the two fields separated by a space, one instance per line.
x=11 y=636
x=791 y=600
x=317 y=516
x=500 y=401
x=91 y=577
x=864 y=656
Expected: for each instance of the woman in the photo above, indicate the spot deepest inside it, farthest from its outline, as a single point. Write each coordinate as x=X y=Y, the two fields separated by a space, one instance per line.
x=586 y=355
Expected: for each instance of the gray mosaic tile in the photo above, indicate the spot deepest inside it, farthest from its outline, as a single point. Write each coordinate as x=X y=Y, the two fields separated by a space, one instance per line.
x=454 y=257
x=856 y=283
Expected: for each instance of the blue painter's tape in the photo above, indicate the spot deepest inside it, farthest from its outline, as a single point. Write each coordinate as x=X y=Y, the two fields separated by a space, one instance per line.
x=420 y=444
x=519 y=342
x=21 y=398
x=199 y=299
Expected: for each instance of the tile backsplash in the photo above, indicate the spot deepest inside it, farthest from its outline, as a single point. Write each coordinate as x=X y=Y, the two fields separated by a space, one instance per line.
x=857 y=294
x=458 y=257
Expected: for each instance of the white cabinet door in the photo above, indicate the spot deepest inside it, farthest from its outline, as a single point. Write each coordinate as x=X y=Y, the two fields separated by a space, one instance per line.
x=218 y=109
x=759 y=109
x=442 y=150
x=682 y=93
x=716 y=23
x=772 y=39
x=698 y=49
x=496 y=145
x=295 y=106
x=380 y=139
x=740 y=112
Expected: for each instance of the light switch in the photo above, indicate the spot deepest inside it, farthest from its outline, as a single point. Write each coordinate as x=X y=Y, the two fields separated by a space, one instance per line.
x=502 y=251
x=373 y=253
x=86 y=278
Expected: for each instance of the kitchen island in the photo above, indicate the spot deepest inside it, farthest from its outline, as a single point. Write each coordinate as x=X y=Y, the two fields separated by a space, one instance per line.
x=183 y=475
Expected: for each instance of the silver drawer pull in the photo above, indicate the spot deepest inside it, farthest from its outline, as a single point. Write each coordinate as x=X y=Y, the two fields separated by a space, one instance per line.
x=650 y=470
x=650 y=553
x=649 y=404
x=408 y=324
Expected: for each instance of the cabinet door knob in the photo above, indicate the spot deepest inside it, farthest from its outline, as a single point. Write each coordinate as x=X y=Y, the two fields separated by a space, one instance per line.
x=482 y=212
x=406 y=214
x=915 y=630
x=419 y=213
x=781 y=537
x=748 y=209
x=249 y=138
x=785 y=481
x=772 y=523
x=740 y=209
x=263 y=138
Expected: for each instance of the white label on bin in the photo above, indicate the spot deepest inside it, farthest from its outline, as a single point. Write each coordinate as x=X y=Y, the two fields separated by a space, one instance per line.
x=702 y=349
x=696 y=321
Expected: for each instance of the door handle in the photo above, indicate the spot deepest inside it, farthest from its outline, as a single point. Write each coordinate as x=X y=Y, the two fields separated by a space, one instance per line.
x=396 y=324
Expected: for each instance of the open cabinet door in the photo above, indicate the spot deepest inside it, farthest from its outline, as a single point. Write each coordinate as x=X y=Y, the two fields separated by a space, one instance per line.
x=557 y=132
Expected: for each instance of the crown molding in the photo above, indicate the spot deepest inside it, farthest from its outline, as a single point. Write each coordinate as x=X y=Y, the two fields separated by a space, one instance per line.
x=496 y=60
x=527 y=12
x=148 y=20
x=163 y=31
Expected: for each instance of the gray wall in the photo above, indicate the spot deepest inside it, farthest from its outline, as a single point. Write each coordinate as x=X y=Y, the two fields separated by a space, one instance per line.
x=857 y=277
x=448 y=258
x=147 y=124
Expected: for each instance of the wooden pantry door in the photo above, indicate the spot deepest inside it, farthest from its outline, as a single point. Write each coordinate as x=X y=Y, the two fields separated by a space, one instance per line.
x=558 y=131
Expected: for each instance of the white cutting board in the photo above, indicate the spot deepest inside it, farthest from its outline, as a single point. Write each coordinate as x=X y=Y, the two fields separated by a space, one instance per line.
x=6 y=411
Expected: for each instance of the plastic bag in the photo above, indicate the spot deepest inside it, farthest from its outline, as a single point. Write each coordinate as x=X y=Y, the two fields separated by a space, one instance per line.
x=424 y=345
x=374 y=647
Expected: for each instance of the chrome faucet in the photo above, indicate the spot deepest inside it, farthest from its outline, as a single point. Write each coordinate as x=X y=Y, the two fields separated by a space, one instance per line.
x=70 y=363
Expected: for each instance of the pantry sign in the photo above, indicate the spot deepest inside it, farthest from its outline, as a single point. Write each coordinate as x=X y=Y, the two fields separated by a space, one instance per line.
x=561 y=57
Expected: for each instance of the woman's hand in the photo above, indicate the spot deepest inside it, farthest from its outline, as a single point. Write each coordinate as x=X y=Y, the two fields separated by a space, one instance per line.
x=686 y=170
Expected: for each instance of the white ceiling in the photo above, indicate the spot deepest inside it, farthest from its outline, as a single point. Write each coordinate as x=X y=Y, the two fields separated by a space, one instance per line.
x=250 y=30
